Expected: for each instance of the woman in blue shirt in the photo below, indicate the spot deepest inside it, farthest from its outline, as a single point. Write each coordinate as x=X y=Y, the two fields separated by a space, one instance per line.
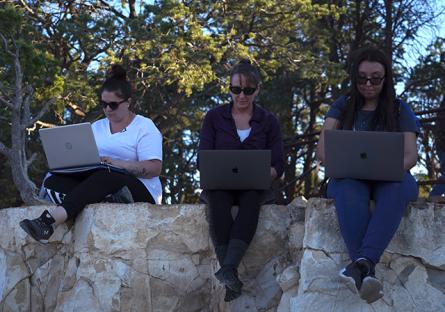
x=370 y=106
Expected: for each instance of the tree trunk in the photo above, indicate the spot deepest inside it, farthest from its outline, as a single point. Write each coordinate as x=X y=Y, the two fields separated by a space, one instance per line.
x=388 y=30
x=17 y=158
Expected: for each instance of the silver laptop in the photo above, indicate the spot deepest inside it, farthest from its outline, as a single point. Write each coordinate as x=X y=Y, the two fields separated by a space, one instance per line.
x=72 y=148
x=235 y=169
x=368 y=155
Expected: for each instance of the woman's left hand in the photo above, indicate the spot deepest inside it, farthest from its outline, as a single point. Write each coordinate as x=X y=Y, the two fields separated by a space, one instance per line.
x=273 y=173
x=112 y=161
x=143 y=169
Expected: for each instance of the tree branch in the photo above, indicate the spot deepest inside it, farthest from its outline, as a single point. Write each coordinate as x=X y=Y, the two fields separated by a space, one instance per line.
x=31 y=159
x=27 y=104
x=18 y=78
x=7 y=103
x=39 y=114
x=111 y=9
x=5 y=150
x=27 y=8
x=5 y=44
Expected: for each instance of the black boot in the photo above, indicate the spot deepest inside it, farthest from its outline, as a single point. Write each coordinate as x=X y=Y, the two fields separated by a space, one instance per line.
x=228 y=273
x=231 y=295
x=41 y=228
x=221 y=252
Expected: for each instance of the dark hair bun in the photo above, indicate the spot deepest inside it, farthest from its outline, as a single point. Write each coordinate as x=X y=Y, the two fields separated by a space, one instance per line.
x=118 y=72
x=245 y=62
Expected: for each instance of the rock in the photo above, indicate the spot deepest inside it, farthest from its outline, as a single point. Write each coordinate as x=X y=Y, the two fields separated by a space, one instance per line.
x=409 y=284
x=289 y=278
x=142 y=257
x=135 y=257
x=421 y=234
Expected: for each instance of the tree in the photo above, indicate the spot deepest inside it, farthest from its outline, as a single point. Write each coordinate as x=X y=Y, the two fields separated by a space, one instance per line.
x=20 y=63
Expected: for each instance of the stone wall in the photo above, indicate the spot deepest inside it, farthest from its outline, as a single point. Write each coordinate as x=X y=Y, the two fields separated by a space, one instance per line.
x=142 y=257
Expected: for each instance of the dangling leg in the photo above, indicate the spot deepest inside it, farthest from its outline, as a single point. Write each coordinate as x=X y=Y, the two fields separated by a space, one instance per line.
x=352 y=207
x=241 y=234
x=90 y=189
x=391 y=199
x=56 y=186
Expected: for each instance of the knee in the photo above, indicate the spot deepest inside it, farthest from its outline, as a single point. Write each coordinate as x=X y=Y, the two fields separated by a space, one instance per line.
x=100 y=175
x=405 y=189
x=50 y=182
x=350 y=188
x=251 y=196
x=218 y=198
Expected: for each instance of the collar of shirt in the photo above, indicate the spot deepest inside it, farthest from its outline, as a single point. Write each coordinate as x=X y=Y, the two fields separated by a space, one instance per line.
x=257 y=114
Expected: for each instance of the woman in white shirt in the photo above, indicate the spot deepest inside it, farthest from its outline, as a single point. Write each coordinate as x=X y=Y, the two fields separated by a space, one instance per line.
x=125 y=140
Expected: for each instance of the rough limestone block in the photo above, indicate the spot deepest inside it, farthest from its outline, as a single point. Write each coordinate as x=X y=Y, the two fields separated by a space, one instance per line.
x=408 y=284
x=136 y=257
x=142 y=257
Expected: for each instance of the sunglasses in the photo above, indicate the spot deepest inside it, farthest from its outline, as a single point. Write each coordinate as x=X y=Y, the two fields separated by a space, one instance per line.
x=375 y=81
x=113 y=105
x=238 y=90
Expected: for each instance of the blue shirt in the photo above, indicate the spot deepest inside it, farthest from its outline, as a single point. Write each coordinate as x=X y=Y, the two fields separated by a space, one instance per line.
x=407 y=120
x=218 y=131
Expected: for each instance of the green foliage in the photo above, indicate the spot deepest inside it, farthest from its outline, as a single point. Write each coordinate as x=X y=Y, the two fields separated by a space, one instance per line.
x=179 y=54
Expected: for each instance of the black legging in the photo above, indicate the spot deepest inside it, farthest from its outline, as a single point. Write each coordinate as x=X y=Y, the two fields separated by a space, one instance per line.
x=84 y=189
x=222 y=226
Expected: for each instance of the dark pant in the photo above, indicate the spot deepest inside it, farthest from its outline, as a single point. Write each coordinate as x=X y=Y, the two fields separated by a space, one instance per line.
x=368 y=234
x=84 y=189
x=222 y=226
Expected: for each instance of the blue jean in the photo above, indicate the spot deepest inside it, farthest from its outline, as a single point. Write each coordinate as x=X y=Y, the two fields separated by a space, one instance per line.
x=439 y=189
x=368 y=234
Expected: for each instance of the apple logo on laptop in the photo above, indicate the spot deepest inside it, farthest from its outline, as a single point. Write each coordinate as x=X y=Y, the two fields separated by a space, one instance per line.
x=68 y=146
x=235 y=170
x=363 y=155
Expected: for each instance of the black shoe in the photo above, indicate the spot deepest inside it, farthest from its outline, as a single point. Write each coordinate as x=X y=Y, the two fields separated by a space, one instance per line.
x=360 y=278
x=231 y=295
x=352 y=275
x=41 y=228
x=229 y=277
x=371 y=289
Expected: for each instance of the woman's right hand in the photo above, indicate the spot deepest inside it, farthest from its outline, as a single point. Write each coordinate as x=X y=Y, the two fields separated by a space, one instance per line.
x=329 y=124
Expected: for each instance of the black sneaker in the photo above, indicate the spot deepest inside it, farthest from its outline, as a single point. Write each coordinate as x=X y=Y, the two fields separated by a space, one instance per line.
x=371 y=289
x=352 y=275
x=360 y=278
x=37 y=229
x=229 y=277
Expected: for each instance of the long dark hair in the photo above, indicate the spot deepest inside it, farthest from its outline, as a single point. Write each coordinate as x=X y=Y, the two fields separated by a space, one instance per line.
x=117 y=82
x=386 y=113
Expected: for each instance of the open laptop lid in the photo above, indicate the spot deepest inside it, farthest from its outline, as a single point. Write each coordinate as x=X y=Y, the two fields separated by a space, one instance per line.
x=368 y=155
x=235 y=169
x=69 y=146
